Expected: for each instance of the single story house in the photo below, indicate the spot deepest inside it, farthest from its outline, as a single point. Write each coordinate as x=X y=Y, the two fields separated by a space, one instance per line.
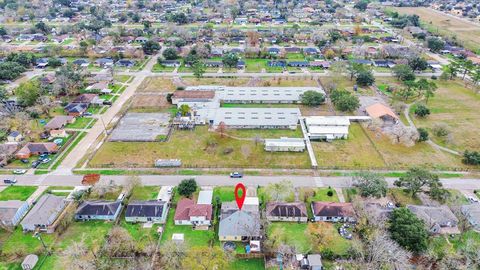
x=213 y=64
x=125 y=63
x=327 y=127
x=104 y=62
x=99 y=210
x=99 y=87
x=171 y=63
x=438 y=219
x=273 y=50
x=76 y=109
x=12 y=211
x=472 y=213
x=59 y=122
x=380 y=111
x=40 y=148
x=188 y=212
x=285 y=144
x=239 y=226
x=44 y=214
x=277 y=63
x=333 y=212
x=298 y=63
x=48 y=79
x=41 y=62
x=147 y=211
x=85 y=98
x=81 y=62
x=279 y=211
x=320 y=64
x=14 y=136
x=310 y=51
x=383 y=63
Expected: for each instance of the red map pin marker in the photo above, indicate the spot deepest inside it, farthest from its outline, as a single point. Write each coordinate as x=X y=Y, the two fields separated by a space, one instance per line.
x=240 y=199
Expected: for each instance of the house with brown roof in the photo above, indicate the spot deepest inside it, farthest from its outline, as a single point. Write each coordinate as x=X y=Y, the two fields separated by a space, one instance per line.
x=380 y=111
x=36 y=149
x=280 y=211
x=333 y=212
x=85 y=98
x=59 y=122
x=188 y=212
x=192 y=96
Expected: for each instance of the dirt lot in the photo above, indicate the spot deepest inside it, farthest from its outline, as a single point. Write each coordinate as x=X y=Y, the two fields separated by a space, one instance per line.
x=149 y=101
x=157 y=84
x=189 y=81
x=464 y=31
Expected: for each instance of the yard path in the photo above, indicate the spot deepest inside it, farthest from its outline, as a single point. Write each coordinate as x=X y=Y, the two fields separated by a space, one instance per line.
x=340 y=196
x=406 y=113
x=33 y=198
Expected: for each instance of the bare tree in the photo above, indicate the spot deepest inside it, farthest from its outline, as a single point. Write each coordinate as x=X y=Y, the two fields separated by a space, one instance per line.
x=172 y=255
x=382 y=251
x=119 y=243
x=400 y=134
x=222 y=128
x=102 y=187
x=131 y=183
x=78 y=257
x=279 y=192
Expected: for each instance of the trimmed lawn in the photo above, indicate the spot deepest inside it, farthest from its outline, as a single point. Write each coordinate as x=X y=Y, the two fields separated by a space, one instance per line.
x=255 y=65
x=200 y=148
x=250 y=264
x=355 y=152
x=20 y=244
x=192 y=238
x=321 y=195
x=82 y=122
x=161 y=68
x=21 y=193
x=122 y=78
x=403 y=198
x=226 y=194
x=145 y=193
x=50 y=189
x=292 y=233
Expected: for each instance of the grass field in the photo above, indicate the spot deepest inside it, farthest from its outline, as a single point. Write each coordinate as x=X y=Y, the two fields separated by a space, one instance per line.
x=191 y=81
x=17 y=193
x=291 y=233
x=457 y=107
x=448 y=26
x=145 y=193
x=82 y=122
x=402 y=197
x=199 y=148
x=250 y=264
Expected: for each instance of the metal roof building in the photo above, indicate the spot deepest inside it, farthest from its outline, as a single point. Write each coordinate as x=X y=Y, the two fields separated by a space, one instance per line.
x=327 y=127
x=285 y=145
x=252 y=118
x=242 y=94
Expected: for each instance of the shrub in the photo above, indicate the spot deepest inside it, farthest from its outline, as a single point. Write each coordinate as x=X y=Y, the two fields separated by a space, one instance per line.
x=440 y=130
x=423 y=134
x=329 y=193
x=421 y=110
x=471 y=158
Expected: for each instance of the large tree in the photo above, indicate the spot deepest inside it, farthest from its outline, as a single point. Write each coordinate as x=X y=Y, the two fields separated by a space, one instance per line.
x=365 y=77
x=187 y=187
x=408 y=231
x=371 y=184
x=230 y=60
x=172 y=255
x=418 y=63
x=170 y=54
x=312 y=98
x=69 y=80
x=416 y=179
x=435 y=44
x=279 y=192
x=150 y=47
x=28 y=92
x=403 y=72
x=10 y=70
x=344 y=101
x=199 y=69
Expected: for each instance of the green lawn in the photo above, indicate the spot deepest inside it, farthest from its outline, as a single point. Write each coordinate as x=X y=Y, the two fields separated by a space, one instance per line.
x=122 y=78
x=250 y=264
x=145 y=193
x=143 y=236
x=20 y=244
x=50 y=189
x=82 y=122
x=403 y=198
x=226 y=194
x=255 y=65
x=291 y=233
x=21 y=193
x=192 y=237
x=160 y=68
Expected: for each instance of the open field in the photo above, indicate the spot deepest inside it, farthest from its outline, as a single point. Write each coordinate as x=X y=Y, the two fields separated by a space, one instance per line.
x=191 y=81
x=289 y=81
x=200 y=148
x=457 y=107
x=149 y=101
x=156 y=84
x=17 y=193
x=436 y=22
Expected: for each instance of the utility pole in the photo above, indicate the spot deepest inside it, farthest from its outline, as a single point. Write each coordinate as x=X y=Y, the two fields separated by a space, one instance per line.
x=38 y=235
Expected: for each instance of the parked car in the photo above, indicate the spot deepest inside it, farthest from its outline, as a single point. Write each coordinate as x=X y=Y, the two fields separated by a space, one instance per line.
x=36 y=163
x=472 y=199
x=19 y=171
x=236 y=175
x=107 y=102
x=9 y=181
x=43 y=156
x=44 y=161
x=24 y=160
x=87 y=114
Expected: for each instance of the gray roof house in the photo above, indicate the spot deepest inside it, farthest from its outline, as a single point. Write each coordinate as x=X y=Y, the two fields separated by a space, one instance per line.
x=279 y=211
x=11 y=212
x=438 y=219
x=262 y=118
x=147 y=211
x=99 y=210
x=239 y=226
x=472 y=213
x=44 y=214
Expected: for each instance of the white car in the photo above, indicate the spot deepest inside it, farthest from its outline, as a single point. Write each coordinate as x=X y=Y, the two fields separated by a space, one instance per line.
x=472 y=199
x=19 y=171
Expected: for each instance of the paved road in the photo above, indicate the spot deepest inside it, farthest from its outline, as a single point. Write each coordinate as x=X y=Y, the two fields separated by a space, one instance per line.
x=224 y=180
x=84 y=145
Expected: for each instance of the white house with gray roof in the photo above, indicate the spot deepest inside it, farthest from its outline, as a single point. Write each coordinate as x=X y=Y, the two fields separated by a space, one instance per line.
x=44 y=214
x=472 y=213
x=327 y=127
x=12 y=211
